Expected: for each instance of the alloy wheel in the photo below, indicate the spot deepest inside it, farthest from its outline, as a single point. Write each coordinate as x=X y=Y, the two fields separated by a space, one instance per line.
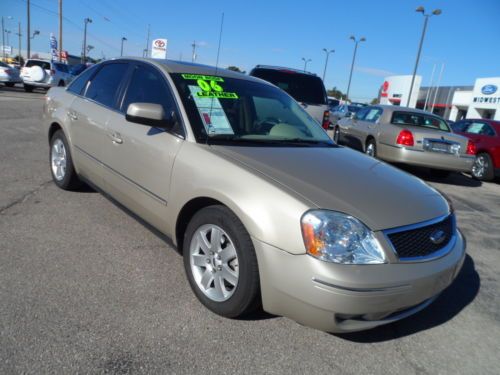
x=370 y=149
x=58 y=159
x=214 y=262
x=480 y=166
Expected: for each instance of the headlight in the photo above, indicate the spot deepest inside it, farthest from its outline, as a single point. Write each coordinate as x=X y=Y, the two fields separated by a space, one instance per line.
x=339 y=238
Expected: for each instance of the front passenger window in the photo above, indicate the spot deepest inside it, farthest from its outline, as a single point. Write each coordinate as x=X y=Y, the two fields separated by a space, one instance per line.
x=148 y=86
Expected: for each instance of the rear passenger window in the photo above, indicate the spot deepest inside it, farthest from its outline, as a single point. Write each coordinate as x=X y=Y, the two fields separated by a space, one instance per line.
x=373 y=114
x=104 y=86
x=360 y=115
x=419 y=119
x=80 y=82
x=481 y=128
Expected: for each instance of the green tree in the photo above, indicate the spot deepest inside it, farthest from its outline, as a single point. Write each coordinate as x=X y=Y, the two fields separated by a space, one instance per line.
x=336 y=93
x=375 y=101
x=235 y=69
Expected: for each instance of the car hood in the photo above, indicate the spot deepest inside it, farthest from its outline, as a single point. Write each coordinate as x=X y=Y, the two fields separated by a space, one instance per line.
x=345 y=180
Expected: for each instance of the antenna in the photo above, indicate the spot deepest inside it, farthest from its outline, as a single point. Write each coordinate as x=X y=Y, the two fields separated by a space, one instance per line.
x=220 y=38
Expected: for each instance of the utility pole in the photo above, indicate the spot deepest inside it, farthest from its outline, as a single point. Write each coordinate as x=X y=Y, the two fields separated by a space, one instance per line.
x=84 y=49
x=305 y=62
x=28 y=32
x=147 y=40
x=193 y=56
x=427 y=95
x=421 y=9
x=356 y=42
x=3 y=40
x=19 y=35
x=60 y=30
x=326 y=62
x=121 y=49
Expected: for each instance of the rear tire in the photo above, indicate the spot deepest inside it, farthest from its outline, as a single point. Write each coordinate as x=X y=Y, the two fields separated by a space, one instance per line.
x=60 y=84
x=482 y=169
x=371 y=148
x=336 y=135
x=28 y=88
x=220 y=262
x=61 y=163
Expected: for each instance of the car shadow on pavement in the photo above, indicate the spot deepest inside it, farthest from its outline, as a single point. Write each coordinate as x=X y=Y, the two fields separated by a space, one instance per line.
x=453 y=178
x=452 y=300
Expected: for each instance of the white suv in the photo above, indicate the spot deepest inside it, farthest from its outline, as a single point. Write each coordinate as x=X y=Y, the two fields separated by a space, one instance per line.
x=44 y=74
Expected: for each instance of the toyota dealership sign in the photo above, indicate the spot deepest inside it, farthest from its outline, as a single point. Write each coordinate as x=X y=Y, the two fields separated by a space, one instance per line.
x=159 y=49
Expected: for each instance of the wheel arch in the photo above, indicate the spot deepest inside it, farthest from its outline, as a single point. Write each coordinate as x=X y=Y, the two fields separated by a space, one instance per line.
x=187 y=212
x=53 y=128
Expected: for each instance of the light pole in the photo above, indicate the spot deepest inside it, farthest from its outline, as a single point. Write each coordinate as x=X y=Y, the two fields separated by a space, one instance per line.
x=121 y=49
x=326 y=61
x=84 y=49
x=356 y=42
x=420 y=9
x=305 y=62
x=3 y=35
x=8 y=33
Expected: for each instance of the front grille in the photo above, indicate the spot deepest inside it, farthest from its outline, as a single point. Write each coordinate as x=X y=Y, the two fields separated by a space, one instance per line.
x=417 y=242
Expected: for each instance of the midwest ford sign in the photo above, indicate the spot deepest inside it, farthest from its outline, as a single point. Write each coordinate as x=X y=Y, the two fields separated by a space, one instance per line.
x=489 y=89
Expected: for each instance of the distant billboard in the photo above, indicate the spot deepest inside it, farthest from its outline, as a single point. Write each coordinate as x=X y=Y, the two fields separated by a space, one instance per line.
x=159 y=49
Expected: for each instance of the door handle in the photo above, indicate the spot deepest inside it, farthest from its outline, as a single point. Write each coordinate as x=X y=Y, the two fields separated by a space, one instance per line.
x=72 y=116
x=116 y=138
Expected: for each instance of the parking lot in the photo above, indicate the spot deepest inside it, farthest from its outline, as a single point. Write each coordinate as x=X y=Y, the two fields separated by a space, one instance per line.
x=85 y=287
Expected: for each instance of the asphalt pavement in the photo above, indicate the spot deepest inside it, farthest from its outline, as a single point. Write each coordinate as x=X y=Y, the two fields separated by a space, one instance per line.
x=87 y=288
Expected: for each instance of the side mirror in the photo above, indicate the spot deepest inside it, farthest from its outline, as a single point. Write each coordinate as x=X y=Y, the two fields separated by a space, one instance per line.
x=148 y=114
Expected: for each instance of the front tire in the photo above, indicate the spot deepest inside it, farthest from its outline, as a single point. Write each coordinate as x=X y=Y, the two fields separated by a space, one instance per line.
x=220 y=262
x=61 y=163
x=482 y=169
x=336 y=135
x=28 y=88
x=9 y=84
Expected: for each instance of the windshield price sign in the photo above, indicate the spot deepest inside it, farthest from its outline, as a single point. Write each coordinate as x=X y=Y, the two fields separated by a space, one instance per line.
x=210 y=86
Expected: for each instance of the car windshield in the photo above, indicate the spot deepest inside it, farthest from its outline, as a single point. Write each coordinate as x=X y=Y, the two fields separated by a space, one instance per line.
x=244 y=112
x=304 y=88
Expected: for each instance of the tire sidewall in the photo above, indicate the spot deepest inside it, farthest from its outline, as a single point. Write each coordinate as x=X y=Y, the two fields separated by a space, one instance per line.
x=488 y=173
x=247 y=288
x=66 y=182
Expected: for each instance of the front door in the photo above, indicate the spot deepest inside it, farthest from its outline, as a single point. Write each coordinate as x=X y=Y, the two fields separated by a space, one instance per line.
x=140 y=157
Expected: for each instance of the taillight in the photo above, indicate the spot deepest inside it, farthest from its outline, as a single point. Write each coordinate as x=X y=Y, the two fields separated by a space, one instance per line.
x=8 y=71
x=326 y=120
x=471 y=148
x=405 y=138
x=52 y=72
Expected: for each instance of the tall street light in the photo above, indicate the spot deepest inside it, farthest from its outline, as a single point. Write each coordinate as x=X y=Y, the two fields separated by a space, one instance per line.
x=356 y=42
x=305 y=62
x=84 y=49
x=420 y=9
x=3 y=35
x=121 y=49
x=326 y=61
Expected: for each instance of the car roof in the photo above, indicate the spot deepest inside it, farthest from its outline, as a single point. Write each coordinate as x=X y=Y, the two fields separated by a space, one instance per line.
x=173 y=66
x=273 y=67
x=394 y=108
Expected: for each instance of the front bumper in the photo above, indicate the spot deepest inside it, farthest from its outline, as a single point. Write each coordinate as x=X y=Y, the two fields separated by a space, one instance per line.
x=345 y=298
x=421 y=158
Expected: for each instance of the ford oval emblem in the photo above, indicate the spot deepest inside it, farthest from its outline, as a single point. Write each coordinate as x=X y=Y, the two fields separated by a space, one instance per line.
x=437 y=237
x=489 y=89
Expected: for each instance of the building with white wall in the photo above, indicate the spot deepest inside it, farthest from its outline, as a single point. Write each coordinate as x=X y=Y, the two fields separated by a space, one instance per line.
x=451 y=102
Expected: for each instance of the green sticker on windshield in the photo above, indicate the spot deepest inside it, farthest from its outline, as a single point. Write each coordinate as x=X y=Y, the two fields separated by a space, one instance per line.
x=202 y=76
x=217 y=94
x=210 y=86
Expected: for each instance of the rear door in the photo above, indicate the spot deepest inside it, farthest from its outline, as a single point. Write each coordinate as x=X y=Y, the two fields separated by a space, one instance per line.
x=139 y=158
x=89 y=114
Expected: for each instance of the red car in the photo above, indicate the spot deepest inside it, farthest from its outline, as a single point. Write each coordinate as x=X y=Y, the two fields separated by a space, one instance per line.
x=485 y=135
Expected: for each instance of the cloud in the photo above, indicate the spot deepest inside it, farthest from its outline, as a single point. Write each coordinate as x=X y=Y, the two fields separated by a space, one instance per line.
x=374 y=71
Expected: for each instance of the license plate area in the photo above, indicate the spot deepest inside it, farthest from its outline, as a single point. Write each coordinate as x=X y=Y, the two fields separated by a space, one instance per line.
x=441 y=146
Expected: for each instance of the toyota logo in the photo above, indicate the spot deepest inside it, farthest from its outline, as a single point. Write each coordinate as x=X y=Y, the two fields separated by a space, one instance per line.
x=159 y=43
x=437 y=237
